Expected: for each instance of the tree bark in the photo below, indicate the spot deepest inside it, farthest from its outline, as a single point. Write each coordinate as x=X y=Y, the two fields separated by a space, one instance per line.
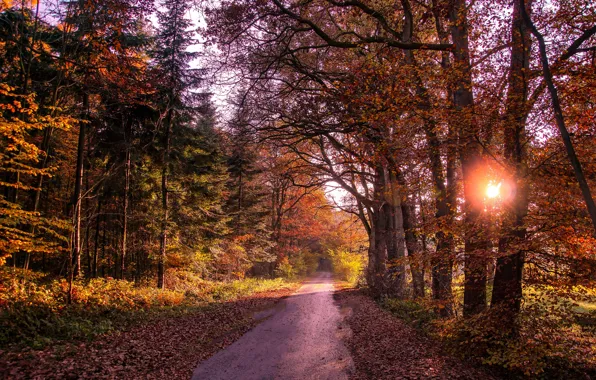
x=103 y=246
x=507 y=286
x=127 y=133
x=414 y=251
x=164 y=204
x=396 y=248
x=378 y=249
x=472 y=164
x=96 y=239
x=76 y=201
x=441 y=261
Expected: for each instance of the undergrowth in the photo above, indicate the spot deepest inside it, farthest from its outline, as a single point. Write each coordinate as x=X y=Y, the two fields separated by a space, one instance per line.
x=550 y=340
x=33 y=309
x=415 y=313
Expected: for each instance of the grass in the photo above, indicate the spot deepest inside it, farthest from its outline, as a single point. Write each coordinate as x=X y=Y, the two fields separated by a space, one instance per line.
x=33 y=310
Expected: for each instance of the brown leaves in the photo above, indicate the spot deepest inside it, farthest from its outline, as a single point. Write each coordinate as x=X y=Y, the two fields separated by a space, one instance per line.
x=384 y=347
x=165 y=349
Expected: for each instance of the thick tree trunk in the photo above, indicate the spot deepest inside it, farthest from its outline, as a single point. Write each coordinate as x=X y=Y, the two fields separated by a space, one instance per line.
x=472 y=164
x=378 y=249
x=396 y=249
x=507 y=286
x=372 y=255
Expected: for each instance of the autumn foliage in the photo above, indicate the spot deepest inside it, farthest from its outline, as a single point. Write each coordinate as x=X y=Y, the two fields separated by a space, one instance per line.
x=439 y=153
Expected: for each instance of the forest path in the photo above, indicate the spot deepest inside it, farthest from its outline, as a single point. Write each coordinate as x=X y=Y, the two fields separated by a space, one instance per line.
x=301 y=340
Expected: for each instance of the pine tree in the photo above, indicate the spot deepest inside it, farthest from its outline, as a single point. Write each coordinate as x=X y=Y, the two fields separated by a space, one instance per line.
x=248 y=201
x=177 y=101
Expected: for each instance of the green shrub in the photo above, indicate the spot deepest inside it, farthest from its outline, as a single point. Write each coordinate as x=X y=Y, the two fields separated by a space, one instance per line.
x=414 y=312
x=552 y=337
x=543 y=341
x=347 y=265
x=298 y=264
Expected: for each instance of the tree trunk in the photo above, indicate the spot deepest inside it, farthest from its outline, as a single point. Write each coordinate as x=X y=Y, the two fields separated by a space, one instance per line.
x=441 y=261
x=372 y=254
x=164 y=204
x=396 y=279
x=414 y=251
x=96 y=239
x=378 y=250
x=103 y=246
x=127 y=136
x=507 y=285
x=472 y=164
x=88 y=219
x=44 y=147
x=76 y=201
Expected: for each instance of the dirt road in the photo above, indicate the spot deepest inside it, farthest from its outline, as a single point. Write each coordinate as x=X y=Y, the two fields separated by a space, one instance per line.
x=301 y=339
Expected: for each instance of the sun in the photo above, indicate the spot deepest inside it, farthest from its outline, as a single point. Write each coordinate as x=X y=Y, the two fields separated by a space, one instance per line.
x=493 y=190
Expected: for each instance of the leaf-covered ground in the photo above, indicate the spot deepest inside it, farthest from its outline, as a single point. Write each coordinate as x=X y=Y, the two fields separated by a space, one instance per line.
x=168 y=348
x=384 y=347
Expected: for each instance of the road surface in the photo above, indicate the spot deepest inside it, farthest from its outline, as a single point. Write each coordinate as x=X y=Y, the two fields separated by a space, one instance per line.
x=300 y=340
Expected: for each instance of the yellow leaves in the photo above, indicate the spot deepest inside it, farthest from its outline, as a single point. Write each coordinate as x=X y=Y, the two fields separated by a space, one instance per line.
x=20 y=230
x=16 y=226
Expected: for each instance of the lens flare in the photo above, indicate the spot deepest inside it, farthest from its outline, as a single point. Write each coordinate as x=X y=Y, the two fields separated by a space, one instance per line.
x=493 y=190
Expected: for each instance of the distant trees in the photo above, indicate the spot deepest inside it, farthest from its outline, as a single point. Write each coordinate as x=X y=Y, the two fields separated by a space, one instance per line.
x=249 y=202
x=414 y=109
x=114 y=163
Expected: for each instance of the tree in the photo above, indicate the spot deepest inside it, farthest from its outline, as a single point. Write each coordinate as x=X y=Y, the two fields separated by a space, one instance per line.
x=22 y=230
x=177 y=79
x=248 y=204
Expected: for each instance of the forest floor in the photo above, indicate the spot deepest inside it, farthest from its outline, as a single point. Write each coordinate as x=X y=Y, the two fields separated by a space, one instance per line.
x=308 y=335
x=167 y=348
x=384 y=347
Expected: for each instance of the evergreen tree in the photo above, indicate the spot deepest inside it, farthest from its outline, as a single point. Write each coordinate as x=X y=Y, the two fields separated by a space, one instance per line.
x=197 y=179
x=248 y=201
x=180 y=103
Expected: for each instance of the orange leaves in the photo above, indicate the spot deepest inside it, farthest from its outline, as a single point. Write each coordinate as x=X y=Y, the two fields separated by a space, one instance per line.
x=5 y=4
